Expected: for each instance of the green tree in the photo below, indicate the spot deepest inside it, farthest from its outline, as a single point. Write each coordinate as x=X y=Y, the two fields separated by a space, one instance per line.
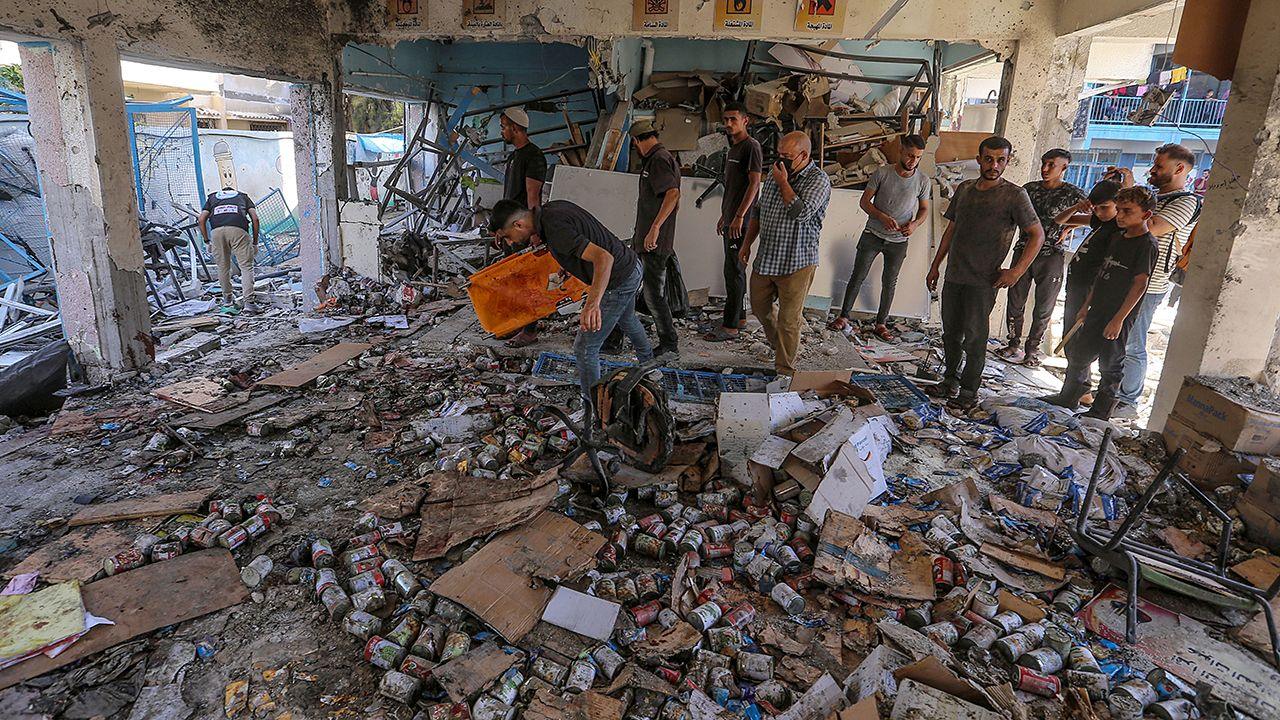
x=372 y=115
x=11 y=77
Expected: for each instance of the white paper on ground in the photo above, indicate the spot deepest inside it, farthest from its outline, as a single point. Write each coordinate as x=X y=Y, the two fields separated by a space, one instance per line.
x=190 y=308
x=581 y=613
x=848 y=486
x=322 y=324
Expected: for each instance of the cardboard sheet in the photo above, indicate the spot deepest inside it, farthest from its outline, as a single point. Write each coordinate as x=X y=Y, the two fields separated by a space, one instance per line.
x=203 y=394
x=850 y=554
x=589 y=705
x=154 y=506
x=917 y=700
x=395 y=501
x=847 y=487
x=468 y=673
x=321 y=363
x=1184 y=647
x=458 y=509
x=581 y=613
x=212 y=421
x=78 y=555
x=501 y=584
x=143 y=600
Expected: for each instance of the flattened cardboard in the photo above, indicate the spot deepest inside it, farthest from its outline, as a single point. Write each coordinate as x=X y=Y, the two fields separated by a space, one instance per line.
x=155 y=506
x=933 y=673
x=678 y=129
x=501 y=584
x=458 y=509
x=1024 y=561
x=78 y=555
x=917 y=700
x=847 y=487
x=581 y=613
x=319 y=364
x=468 y=673
x=1183 y=646
x=1205 y=460
x=1236 y=425
x=849 y=554
x=672 y=641
x=1027 y=611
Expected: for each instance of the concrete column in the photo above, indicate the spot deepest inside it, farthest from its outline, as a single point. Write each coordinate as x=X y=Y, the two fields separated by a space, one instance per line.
x=1038 y=99
x=313 y=142
x=416 y=173
x=1230 y=303
x=76 y=101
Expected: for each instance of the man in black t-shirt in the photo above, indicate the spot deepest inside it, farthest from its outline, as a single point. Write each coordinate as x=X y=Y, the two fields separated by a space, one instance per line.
x=1108 y=310
x=230 y=213
x=654 y=237
x=587 y=250
x=743 y=171
x=526 y=173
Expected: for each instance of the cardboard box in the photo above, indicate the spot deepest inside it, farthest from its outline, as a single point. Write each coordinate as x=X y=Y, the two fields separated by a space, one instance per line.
x=1236 y=425
x=1261 y=527
x=1205 y=461
x=765 y=99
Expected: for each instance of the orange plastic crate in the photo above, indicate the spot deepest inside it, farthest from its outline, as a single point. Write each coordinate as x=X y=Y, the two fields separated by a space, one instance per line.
x=515 y=291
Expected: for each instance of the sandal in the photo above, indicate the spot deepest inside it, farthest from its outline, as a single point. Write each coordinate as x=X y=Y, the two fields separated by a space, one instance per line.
x=884 y=333
x=839 y=324
x=1032 y=360
x=719 y=335
x=1008 y=352
x=522 y=339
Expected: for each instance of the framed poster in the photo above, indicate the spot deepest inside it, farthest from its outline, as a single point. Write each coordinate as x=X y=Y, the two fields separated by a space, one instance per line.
x=736 y=16
x=406 y=13
x=821 y=16
x=655 y=15
x=484 y=14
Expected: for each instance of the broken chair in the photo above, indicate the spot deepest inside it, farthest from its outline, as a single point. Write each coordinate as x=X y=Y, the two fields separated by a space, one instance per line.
x=1159 y=566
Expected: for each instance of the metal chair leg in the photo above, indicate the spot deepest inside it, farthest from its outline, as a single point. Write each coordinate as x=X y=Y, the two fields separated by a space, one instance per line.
x=1271 y=630
x=1131 y=619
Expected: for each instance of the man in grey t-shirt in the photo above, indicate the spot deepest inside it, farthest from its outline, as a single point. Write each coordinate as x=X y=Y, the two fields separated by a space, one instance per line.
x=896 y=202
x=983 y=216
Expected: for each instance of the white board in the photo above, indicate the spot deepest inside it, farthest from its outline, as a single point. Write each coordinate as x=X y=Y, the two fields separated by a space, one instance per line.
x=611 y=197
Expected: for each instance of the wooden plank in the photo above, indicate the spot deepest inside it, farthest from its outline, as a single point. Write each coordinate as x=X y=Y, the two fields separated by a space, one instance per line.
x=197 y=323
x=31 y=437
x=304 y=372
x=78 y=555
x=157 y=505
x=212 y=421
x=202 y=394
x=143 y=600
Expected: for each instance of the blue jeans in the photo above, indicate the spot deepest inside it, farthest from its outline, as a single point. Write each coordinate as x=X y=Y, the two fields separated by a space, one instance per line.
x=617 y=307
x=1135 y=351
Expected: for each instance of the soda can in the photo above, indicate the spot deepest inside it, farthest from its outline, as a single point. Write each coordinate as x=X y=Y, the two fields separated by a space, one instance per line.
x=647 y=587
x=650 y=546
x=668 y=618
x=549 y=670
x=370 y=599
x=206 y=536
x=166 y=550
x=507 y=687
x=256 y=571
x=715 y=551
x=362 y=624
x=788 y=599
x=646 y=613
x=1175 y=709
x=325 y=578
x=985 y=605
x=1095 y=683
x=1081 y=658
x=944 y=633
x=1140 y=690
x=627 y=592
x=365 y=580
x=979 y=636
x=415 y=666
x=740 y=616
x=1043 y=660
x=1007 y=621
x=1029 y=680
x=368 y=538
x=455 y=644
x=608 y=660
x=755 y=666
x=256 y=525
x=704 y=616
x=122 y=561
x=405 y=632
x=322 y=553
x=398 y=686
x=335 y=602
x=1059 y=639
x=944 y=573
x=582 y=673
x=233 y=538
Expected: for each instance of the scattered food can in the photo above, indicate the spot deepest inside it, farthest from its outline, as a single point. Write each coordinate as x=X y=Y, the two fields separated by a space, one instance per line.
x=455 y=644
x=626 y=590
x=979 y=636
x=647 y=587
x=1070 y=600
x=668 y=618
x=1124 y=707
x=1031 y=681
x=582 y=673
x=325 y=578
x=206 y=536
x=1138 y=689
x=370 y=599
x=365 y=580
x=362 y=552
x=123 y=561
x=1175 y=709
x=362 y=624
x=256 y=571
x=1094 y=683
x=645 y=613
x=1007 y=621
x=550 y=670
x=415 y=666
x=1081 y=658
x=368 y=538
x=1057 y=637
x=507 y=687
x=406 y=631
x=985 y=604
x=724 y=638
x=740 y=616
x=787 y=598
x=704 y=616
x=944 y=573
x=429 y=641
x=166 y=550
x=256 y=526
x=919 y=616
x=650 y=546
x=401 y=687
x=335 y=601
x=322 y=553
x=755 y=666
x=609 y=661
x=944 y=633
x=233 y=538
x=1042 y=660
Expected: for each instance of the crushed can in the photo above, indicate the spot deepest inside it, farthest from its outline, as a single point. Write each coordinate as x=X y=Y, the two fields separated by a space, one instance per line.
x=581 y=676
x=322 y=554
x=401 y=687
x=1029 y=680
x=123 y=561
x=755 y=666
x=415 y=666
x=370 y=599
x=1138 y=689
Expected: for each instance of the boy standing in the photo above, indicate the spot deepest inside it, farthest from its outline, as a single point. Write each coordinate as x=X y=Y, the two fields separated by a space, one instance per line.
x=1098 y=211
x=743 y=171
x=1108 y=310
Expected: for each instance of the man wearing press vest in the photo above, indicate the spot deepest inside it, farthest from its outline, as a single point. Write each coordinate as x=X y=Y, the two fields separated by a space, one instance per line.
x=229 y=213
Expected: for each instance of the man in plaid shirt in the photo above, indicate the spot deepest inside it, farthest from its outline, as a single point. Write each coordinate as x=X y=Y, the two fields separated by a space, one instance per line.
x=788 y=220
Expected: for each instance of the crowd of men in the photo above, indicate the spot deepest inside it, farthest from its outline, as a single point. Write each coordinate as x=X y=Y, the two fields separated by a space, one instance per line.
x=1116 y=280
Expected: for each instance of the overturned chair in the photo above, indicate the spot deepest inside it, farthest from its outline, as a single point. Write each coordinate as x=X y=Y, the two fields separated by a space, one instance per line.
x=1139 y=561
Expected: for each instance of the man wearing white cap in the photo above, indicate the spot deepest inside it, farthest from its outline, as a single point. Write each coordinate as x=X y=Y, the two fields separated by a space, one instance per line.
x=526 y=171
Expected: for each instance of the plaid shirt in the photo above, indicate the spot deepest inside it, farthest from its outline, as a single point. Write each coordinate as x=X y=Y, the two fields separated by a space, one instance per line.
x=789 y=233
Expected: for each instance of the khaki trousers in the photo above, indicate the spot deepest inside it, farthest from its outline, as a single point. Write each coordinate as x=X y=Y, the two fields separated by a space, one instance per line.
x=226 y=242
x=781 y=322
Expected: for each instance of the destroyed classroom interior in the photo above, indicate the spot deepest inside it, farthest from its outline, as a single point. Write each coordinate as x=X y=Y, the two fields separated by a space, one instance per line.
x=345 y=458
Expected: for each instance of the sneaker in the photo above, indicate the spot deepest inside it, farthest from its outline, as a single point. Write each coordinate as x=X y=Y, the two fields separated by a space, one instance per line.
x=963 y=402
x=1125 y=411
x=250 y=309
x=944 y=390
x=667 y=353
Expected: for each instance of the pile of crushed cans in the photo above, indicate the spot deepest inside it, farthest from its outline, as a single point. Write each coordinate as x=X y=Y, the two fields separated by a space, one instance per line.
x=229 y=523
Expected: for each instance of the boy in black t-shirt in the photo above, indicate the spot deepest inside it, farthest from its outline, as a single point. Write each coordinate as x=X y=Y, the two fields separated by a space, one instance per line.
x=1108 y=310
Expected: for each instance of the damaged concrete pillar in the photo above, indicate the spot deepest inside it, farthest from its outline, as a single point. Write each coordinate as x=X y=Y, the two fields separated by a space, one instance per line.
x=314 y=162
x=76 y=103
x=1227 y=319
x=1039 y=94
x=416 y=173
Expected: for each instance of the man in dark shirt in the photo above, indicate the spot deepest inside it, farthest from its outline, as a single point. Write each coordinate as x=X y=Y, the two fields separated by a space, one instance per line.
x=589 y=252
x=1108 y=310
x=230 y=212
x=983 y=216
x=655 y=231
x=1049 y=196
x=743 y=171
x=526 y=172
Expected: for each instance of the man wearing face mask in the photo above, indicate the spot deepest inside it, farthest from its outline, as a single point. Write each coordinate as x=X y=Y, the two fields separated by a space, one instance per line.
x=982 y=217
x=788 y=221
x=587 y=250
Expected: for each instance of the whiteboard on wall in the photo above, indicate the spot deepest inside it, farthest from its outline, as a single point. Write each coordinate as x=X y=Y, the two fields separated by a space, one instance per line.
x=612 y=197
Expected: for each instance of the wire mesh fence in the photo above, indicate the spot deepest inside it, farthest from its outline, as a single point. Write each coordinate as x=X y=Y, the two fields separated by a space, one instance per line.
x=166 y=163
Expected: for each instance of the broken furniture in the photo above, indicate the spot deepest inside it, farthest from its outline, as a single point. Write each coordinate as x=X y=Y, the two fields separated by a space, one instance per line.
x=1186 y=576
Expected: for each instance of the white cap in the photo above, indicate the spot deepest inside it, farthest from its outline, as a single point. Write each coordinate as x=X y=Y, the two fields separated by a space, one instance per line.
x=517 y=116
